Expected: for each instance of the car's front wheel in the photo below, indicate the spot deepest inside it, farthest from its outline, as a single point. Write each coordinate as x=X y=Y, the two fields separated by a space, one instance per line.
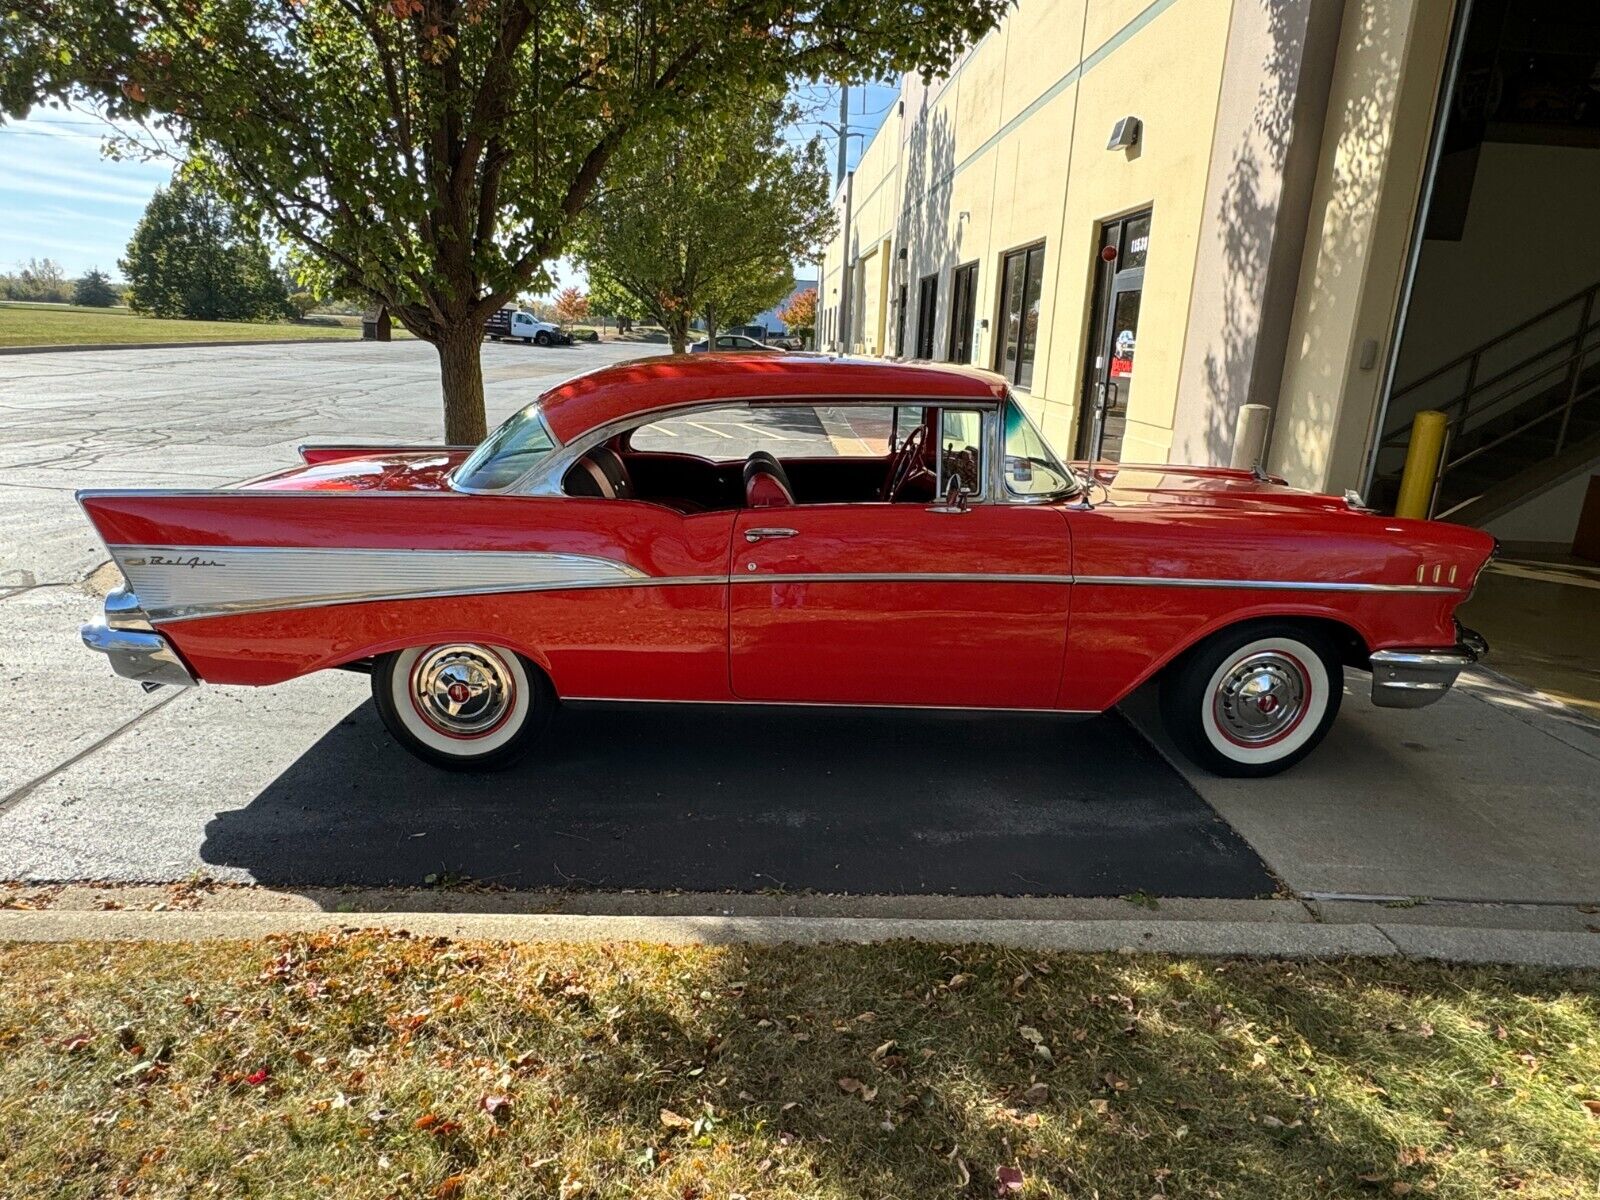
x=464 y=706
x=542 y=338
x=1253 y=700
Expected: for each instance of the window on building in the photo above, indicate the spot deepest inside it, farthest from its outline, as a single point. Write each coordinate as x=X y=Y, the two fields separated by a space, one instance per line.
x=927 y=312
x=963 y=312
x=1021 y=283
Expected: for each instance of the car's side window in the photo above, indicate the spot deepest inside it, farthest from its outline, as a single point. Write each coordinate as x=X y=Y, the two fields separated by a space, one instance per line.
x=961 y=449
x=737 y=431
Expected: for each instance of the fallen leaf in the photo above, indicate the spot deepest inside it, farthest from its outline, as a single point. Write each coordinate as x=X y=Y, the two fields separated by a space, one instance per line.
x=1007 y=1180
x=673 y=1121
x=425 y=1121
x=259 y=1076
x=1115 y=1082
x=498 y=1107
x=1037 y=1094
x=849 y=1084
x=1593 y=1106
x=449 y=1187
x=1030 y=1034
x=877 y=1055
x=1101 y=1107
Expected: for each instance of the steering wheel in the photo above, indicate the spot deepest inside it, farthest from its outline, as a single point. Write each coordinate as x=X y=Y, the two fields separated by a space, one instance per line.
x=905 y=466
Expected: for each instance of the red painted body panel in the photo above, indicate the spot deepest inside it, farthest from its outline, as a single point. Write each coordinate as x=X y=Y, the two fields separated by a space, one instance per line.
x=974 y=642
x=373 y=471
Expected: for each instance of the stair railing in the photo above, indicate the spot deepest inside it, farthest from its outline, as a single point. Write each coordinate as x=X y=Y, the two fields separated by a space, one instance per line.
x=1565 y=353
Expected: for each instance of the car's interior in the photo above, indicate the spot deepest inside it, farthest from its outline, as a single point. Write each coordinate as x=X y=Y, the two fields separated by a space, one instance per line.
x=692 y=483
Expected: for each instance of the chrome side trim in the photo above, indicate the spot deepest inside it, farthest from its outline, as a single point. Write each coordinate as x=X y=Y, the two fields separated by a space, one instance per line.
x=1289 y=585
x=145 y=657
x=183 y=582
x=1416 y=678
x=895 y=577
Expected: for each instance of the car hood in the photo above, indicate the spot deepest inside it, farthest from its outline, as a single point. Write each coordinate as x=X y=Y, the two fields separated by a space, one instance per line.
x=411 y=472
x=1148 y=484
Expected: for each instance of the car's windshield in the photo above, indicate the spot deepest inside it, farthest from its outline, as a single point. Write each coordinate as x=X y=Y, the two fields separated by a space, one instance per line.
x=506 y=454
x=1032 y=468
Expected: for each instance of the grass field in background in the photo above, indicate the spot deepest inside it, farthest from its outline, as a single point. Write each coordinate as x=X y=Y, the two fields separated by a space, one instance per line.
x=70 y=325
x=364 y=1065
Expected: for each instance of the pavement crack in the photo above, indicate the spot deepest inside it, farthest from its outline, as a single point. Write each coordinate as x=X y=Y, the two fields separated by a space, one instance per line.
x=27 y=789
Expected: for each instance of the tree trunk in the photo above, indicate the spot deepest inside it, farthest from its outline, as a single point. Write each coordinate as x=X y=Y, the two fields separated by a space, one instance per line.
x=461 y=374
x=711 y=328
x=678 y=334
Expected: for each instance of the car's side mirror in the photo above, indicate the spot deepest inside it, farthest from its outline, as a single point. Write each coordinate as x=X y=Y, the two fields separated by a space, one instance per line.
x=955 y=497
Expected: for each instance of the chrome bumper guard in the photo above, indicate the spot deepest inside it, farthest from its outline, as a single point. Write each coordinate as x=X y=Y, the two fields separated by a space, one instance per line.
x=1416 y=678
x=135 y=649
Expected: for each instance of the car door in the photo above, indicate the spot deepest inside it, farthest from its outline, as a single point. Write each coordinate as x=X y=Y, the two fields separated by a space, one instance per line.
x=903 y=604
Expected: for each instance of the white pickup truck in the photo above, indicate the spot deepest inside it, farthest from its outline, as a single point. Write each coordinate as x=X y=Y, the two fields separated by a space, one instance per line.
x=514 y=323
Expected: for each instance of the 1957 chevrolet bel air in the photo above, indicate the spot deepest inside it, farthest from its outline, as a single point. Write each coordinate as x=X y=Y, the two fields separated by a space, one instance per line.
x=630 y=536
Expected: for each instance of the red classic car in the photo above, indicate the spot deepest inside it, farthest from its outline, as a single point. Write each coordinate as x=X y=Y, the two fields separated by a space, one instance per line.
x=786 y=529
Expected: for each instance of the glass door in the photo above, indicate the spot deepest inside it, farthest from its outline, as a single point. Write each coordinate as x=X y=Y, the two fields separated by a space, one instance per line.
x=927 y=311
x=963 y=312
x=1113 y=337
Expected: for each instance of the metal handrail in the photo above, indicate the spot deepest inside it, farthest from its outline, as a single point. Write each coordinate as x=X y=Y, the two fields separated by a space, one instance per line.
x=1477 y=351
x=1572 y=361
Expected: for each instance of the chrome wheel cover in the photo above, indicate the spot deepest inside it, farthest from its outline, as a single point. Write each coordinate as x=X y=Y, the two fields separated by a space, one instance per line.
x=1261 y=698
x=462 y=690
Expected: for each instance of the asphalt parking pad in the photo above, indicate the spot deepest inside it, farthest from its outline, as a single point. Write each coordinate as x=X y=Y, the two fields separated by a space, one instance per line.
x=746 y=799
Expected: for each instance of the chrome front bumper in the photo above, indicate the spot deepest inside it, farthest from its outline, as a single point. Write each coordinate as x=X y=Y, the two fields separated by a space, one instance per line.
x=1416 y=678
x=135 y=649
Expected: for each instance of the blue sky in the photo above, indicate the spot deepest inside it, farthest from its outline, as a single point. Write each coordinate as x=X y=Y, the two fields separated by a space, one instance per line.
x=61 y=198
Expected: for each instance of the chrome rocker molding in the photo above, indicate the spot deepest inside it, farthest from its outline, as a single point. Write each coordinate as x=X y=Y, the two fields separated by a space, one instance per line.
x=1418 y=678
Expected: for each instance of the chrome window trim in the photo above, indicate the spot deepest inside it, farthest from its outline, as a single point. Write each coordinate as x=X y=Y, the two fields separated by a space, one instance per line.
x=381 y=449
x=544 y=478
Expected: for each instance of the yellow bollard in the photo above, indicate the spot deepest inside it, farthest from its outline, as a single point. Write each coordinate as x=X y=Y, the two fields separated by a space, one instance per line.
x=1422 y=464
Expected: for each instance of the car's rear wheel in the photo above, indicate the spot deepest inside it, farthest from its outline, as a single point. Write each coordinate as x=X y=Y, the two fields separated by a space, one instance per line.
x=1253 y=700
x=542 y=338
x=464 y=706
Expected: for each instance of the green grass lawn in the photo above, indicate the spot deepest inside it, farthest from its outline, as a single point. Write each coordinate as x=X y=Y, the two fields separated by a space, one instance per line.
x=70 y=325
x=367 y=1065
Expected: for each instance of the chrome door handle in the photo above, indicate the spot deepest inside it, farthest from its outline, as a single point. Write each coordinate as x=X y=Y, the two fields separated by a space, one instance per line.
x=761 y=535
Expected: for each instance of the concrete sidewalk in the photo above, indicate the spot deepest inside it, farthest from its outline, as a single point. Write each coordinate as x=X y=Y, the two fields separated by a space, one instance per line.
x=1492 y=794
x=1529 y=935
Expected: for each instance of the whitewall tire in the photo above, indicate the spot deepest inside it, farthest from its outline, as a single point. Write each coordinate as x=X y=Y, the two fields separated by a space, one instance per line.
x=1254 y=700
x=462 y=705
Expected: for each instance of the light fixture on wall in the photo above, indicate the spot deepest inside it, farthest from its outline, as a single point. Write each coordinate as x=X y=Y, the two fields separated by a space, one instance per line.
x=964 y=215
x=1125 y=134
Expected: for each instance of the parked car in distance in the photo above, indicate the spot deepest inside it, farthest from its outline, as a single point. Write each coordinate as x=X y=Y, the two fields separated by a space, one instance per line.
x=733 y=341
x=514 y=323
x=913 y=542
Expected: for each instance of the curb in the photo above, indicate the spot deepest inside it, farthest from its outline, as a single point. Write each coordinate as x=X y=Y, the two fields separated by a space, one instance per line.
x=1206 y=938
x=172 y=345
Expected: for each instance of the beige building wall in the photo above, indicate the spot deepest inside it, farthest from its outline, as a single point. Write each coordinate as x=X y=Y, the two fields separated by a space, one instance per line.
x=1281 y=154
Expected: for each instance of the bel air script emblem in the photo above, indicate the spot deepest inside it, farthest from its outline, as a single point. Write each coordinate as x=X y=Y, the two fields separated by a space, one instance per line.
x=161 y=560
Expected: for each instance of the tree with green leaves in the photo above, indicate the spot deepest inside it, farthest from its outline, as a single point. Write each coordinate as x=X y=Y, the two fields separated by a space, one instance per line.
x=435 y=154
x=192 y=256
x=94 y=290
x=706 y=220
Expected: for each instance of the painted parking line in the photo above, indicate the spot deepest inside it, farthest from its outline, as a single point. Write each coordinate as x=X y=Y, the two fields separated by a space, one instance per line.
x=770 y=434
x=709 y=429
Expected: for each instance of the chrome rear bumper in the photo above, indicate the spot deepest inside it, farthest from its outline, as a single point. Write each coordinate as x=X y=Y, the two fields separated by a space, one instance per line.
x=1416 y=678
x=135 y=649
